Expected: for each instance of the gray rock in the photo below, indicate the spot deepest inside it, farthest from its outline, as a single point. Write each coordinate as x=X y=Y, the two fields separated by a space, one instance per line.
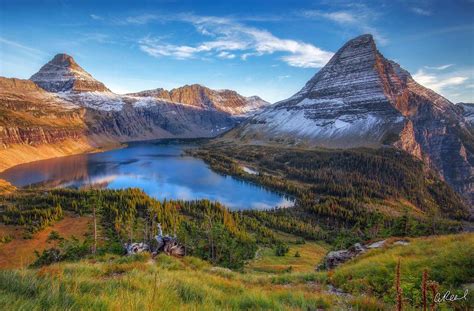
x=377 y=244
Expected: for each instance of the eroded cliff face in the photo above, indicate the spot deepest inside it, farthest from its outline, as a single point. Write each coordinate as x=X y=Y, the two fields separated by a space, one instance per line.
x=435 y=129
x=35 y=124
x=29 y=115
x=158 y=120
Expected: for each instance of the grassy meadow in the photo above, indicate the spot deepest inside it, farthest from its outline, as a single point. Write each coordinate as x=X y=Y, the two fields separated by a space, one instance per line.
x=111 y=282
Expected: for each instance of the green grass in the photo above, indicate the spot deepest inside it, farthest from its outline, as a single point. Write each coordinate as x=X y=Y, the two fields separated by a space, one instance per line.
x=311 y=253
x=139 y=283
x=449 y=260
x=112 y=282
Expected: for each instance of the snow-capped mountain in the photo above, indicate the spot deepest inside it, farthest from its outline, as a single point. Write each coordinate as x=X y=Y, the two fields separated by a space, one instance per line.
x=361 y=99
x=189 y=112
x=63 y=74
x=200 y=96
x=468 y=112
x=64 y=110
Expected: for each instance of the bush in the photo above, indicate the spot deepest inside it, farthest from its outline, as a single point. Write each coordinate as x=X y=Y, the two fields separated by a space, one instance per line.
x=6 y=239
x=54 y=236
x=71 y=249
x=281 y=249
x=47 y=257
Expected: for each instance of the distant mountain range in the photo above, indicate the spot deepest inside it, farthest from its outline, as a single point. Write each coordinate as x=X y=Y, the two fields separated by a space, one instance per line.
x=361 y=99
x=202 y=97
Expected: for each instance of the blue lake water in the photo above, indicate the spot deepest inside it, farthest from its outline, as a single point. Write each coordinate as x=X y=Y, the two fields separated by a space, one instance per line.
x=161 y=170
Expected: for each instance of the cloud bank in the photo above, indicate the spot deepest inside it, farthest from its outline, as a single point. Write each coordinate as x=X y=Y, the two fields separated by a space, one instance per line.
x=229 y=39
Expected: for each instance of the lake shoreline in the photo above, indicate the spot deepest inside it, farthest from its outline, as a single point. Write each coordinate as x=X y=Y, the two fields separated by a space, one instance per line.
x=163 y=168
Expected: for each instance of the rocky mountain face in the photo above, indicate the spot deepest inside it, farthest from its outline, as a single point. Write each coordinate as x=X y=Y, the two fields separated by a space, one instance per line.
x=35 y=124
x=468 y=112
x=361 y=99
x=30 y=115
x=63 y=74
x=200 y=96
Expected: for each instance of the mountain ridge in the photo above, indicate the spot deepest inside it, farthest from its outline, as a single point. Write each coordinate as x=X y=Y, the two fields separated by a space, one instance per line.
x=201 y=96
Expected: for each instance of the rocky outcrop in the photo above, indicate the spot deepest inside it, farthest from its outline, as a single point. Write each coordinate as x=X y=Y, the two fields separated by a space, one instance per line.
x=196 y=95
x=336 y=258
x=361 y=99
x=63 y=74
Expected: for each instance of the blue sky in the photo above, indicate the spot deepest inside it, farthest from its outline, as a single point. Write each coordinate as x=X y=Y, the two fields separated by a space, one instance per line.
x=267 y=48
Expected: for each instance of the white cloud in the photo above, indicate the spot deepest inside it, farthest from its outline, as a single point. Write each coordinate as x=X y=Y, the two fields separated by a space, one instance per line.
x=140 y=19
x=229 y=37
x=421 y=11
x=341 y=17
x=96 y=17
x=442 y=67
x=436 y=83
x=226 y=55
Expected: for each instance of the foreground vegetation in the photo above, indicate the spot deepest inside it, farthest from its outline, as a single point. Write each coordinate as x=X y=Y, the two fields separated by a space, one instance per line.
x=136 y=283
x=110 y=282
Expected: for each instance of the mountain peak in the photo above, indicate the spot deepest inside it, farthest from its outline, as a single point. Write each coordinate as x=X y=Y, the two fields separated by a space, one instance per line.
x=63 y=74
x=63 y=59
x=365 y=38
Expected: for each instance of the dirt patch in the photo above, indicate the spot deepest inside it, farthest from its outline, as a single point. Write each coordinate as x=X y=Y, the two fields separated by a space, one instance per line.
x=20 y=252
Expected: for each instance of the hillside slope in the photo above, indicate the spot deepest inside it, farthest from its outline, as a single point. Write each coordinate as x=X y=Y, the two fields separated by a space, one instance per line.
x=35 y=124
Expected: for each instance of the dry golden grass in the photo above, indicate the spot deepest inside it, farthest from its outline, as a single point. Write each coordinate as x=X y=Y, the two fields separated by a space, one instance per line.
x=6 y=187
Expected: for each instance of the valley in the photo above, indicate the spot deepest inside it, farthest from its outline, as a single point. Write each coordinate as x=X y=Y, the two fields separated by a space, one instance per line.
x=256 y=194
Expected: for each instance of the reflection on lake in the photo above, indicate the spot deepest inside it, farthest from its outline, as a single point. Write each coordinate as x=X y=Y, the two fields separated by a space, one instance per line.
x=159 y=169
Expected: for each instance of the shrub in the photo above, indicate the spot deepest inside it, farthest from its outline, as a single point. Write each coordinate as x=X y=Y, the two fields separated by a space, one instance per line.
x=6 y=239
x=281 y=249
x=54 y=236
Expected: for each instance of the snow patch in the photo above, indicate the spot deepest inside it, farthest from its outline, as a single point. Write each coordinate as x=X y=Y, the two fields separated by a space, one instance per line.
x=104 y=101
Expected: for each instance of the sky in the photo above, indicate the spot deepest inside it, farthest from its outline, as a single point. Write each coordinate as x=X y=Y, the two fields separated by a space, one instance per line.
x=265 y=48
